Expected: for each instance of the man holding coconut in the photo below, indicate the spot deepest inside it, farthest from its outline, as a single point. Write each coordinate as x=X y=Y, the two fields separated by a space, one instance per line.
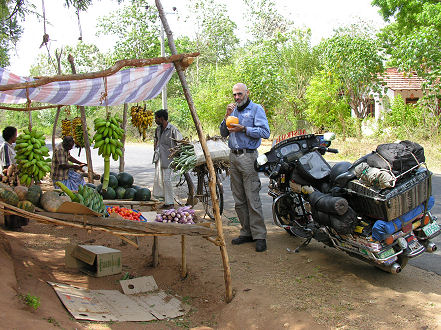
x=245 y=124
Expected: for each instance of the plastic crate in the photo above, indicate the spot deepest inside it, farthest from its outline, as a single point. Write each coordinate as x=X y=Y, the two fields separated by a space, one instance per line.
x=389 y=204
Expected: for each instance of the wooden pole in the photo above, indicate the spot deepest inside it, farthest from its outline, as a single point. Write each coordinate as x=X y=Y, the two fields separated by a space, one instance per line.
x=184 y=258
x=123 y=139
x=84 y=124
x=54 y=128
x=212 y=174
x=57 y=114
x=185 y=58
x=155 y=252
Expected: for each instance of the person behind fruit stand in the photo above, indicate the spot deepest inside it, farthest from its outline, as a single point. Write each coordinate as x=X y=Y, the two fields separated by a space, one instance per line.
x=7 y=151
x=165 y=138
x=244 y=139
x=64 y=171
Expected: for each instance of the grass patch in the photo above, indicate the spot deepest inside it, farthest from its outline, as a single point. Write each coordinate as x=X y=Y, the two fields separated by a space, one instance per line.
x=31 y=301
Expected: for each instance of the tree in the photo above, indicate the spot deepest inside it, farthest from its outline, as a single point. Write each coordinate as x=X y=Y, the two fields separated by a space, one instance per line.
x=265 y=20
x=215 y=35
x=326 y=106
x=354 y=55
x=136 y=29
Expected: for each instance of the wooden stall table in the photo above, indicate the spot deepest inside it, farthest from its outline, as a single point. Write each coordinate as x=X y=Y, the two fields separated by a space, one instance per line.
x=88 y=219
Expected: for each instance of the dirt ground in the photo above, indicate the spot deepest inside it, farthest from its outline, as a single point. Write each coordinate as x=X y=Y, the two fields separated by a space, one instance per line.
x=318 y=288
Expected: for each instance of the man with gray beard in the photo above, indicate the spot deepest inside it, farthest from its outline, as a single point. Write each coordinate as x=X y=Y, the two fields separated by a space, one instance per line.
x=243 y=139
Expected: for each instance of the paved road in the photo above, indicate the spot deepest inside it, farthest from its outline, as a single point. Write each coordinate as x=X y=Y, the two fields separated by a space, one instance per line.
x=139 y=164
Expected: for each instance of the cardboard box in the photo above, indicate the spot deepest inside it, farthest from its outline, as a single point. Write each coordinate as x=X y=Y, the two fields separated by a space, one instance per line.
x=94 y=260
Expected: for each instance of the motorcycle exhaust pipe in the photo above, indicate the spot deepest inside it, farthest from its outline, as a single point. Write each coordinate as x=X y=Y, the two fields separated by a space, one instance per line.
x=395 y=268
x=430 y=246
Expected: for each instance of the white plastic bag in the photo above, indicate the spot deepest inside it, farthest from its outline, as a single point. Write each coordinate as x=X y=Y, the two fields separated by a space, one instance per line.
x=219 y=151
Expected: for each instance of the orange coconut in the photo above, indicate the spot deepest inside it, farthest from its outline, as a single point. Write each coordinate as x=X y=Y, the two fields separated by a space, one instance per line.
x=231 y=120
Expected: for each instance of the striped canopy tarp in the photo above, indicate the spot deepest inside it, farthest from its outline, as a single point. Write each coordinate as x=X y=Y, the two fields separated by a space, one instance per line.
x=125 y=86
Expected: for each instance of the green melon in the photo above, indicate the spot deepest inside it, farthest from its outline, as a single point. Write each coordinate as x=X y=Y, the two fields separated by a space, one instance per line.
x=9 y=197
x=26 y=205
x=143 y=194
x=33 y=195
x=99 y=188
x=113 y=181
x=91 y=185
x=120 y=191
x=109 y=194
x=130 y=193
x=110 y=173
x=125 y=180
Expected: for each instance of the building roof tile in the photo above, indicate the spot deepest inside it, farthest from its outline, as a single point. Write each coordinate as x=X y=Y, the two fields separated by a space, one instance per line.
x=396 y=80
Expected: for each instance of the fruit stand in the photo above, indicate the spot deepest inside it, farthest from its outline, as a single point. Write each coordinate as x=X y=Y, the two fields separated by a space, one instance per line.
x=122 y=228
x=106 y=88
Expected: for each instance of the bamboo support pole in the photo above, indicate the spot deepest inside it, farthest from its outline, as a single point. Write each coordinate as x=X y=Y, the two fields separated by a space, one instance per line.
x=108 y=72
x=184 y=258
x=212 y=174
x=123 y=139
x=155 y=252
x=84 y=124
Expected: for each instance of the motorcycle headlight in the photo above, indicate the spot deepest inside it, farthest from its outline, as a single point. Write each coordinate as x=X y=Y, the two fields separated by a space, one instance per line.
x=261 y=160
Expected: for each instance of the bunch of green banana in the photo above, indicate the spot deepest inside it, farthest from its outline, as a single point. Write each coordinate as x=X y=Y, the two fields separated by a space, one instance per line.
x=87 y=196
x=108 y=142
x=31 y=152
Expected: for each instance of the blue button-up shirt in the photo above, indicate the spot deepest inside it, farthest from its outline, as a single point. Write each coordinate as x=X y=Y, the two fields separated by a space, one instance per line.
x=253 y=117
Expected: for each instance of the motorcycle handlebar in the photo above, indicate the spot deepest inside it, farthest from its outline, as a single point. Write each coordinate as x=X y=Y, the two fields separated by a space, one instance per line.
x=334 y=151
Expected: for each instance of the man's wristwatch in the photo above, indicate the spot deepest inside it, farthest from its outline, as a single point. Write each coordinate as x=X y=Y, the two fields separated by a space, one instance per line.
x=244 y=129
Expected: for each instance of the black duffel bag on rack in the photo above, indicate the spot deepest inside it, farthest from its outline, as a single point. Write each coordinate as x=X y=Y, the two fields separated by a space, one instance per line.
x=397 y=157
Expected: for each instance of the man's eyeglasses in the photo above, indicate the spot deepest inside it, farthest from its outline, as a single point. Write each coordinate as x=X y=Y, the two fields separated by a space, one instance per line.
x=238 y=94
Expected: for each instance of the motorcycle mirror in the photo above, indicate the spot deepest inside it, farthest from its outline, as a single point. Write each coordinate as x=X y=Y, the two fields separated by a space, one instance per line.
x=262 y=160
x=329 y=136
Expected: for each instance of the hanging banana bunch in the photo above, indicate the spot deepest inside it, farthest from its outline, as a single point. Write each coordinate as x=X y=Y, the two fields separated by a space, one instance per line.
x=77 y=132
x=31 y=150
x=108 y=142
x=66 y=127
x=141 y=119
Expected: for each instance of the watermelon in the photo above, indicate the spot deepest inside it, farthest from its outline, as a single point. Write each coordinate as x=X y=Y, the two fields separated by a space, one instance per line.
x=130 y=193
x=113 y=181
x=125 y=180
x=99 y=188
x=110 y=173
x=109 y=194
x=143 y=194
x=120 y=191
x=91 y=185
x=136 y=187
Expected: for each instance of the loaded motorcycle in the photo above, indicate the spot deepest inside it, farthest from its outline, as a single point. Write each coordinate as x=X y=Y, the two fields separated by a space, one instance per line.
x=383 y=218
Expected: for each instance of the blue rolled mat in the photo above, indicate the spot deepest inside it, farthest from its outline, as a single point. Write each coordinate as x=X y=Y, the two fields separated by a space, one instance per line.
x=381 y=228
